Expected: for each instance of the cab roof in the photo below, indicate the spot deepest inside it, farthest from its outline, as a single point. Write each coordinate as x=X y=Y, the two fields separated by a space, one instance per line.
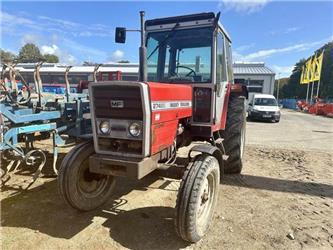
x=204 y=19
x=179 y=19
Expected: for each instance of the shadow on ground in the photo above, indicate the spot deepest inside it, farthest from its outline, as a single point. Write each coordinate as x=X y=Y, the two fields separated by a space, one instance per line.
x=42 y=209
x=280 y=185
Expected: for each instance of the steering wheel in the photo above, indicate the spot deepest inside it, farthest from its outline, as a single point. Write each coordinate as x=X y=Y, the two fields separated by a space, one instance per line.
x=185 y=67
x=21 y=96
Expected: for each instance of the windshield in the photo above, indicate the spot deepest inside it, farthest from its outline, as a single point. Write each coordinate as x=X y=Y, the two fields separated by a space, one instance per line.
x=180 y=55
x=265 y=102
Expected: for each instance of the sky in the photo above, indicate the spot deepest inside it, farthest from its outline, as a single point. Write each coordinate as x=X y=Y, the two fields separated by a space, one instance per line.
x=278 y=33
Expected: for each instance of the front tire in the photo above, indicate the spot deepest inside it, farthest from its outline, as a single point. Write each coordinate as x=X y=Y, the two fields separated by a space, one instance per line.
x=197 y=197
x=234 y=135
x=80 y=188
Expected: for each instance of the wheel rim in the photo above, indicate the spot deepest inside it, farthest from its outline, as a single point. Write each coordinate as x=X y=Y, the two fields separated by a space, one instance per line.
x=90 y=184
x=206 y=200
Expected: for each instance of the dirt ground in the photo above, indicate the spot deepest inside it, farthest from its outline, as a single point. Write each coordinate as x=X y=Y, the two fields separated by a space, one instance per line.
x=283 y=199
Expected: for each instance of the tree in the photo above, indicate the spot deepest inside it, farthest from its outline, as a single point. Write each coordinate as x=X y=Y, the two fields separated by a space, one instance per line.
x=29 y=53
x=281 y=82
x=6 y=56
x=51 y=58
x=293 y=89
x=326 y=81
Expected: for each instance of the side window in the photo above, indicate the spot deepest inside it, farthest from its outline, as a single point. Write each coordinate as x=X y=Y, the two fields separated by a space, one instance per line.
x=221 y=69
x=152 y=61
x=229 y=62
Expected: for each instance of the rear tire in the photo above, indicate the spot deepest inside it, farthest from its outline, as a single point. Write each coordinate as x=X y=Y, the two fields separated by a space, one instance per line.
x=80 y=188
x=197 y=197
x=234 y=135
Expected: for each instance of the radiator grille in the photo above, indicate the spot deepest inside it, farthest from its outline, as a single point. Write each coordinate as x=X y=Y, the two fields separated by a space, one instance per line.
x=129 y=95
x=121 y=104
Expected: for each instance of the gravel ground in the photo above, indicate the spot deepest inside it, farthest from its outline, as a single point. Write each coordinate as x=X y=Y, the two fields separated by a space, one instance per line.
x=283 y=199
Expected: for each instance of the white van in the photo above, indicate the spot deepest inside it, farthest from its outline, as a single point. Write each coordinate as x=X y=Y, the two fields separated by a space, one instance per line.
x=264 y=107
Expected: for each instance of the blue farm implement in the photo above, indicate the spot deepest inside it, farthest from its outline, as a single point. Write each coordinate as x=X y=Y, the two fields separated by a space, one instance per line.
x=27 y=114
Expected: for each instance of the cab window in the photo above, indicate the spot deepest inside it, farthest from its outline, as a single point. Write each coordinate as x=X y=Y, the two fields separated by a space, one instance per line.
x=221 y=69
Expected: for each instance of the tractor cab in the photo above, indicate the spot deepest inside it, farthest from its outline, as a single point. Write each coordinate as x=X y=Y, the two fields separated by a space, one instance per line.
x=195 y=50
x=183 y=49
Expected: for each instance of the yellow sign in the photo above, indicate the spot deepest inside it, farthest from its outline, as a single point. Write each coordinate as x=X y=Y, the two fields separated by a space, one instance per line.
x=311 y=70
x=304 y=79
x=317 y=67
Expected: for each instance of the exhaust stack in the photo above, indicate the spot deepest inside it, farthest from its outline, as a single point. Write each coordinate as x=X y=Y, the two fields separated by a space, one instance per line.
x=142 y=51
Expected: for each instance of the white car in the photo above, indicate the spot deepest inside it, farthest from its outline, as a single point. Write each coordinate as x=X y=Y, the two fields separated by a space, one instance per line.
x=264 y=107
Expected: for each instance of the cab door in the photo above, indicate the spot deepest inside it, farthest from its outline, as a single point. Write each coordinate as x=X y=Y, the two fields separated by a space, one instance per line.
x=224 y=76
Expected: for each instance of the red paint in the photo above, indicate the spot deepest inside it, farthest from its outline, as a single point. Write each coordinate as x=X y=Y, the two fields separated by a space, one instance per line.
x=169 y=92
x=225 y=108
x=111 y=76
x=220 y=125
x=165 y=122
x=163 y=135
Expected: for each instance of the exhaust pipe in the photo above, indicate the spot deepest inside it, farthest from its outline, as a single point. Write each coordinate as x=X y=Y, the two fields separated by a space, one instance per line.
x=142 y=51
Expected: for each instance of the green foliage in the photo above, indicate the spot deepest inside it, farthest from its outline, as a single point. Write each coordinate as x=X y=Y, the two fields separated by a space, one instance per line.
x=326 y=83
x=29 y=53
x=282 y=82
x=293 y=89
x=51 y=58
x=6 y=56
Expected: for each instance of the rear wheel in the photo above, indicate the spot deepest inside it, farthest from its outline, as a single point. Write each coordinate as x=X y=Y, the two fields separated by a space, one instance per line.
x=234 y=135
x=197 y=198
x=80 y=188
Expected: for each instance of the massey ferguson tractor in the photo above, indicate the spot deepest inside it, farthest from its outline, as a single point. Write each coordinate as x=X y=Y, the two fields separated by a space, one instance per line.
x=185 y=93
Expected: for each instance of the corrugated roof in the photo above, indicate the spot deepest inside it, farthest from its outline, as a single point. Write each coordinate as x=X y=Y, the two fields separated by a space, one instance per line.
x=252 y=69
x=245 y=68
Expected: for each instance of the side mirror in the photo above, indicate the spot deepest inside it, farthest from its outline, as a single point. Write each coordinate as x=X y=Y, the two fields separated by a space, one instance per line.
x=120 y=36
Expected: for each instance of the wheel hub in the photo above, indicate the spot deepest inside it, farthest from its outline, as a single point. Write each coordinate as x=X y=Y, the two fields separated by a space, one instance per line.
x=205 y=201
x=90 y=184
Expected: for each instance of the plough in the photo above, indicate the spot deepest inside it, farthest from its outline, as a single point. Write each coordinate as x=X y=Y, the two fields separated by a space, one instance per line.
x=28 y=114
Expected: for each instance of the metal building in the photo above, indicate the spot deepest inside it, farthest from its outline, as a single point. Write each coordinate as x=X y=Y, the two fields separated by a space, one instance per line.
x=256 y=76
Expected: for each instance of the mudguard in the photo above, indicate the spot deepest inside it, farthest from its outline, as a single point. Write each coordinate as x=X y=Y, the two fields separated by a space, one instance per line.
x=210 y=150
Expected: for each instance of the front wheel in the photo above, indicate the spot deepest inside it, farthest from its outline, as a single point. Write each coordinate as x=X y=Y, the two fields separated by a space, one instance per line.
x=80 y=188
x=197 y=197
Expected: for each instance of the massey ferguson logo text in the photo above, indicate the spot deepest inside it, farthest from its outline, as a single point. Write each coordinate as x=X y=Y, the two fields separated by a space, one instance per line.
x=162 y=105
x=117 y=104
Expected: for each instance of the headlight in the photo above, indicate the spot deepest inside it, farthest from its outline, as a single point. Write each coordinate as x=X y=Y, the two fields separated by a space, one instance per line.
x=135 y=129
x=104 y=127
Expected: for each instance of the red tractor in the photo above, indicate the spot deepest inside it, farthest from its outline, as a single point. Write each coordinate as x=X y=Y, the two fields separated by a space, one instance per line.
x=185 y=93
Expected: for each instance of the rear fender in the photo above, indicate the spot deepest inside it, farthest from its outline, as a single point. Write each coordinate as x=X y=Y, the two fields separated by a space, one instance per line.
x=239 y=90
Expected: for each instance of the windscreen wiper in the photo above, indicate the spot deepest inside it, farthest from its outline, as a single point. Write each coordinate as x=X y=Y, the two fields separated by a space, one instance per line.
x=172 y=32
